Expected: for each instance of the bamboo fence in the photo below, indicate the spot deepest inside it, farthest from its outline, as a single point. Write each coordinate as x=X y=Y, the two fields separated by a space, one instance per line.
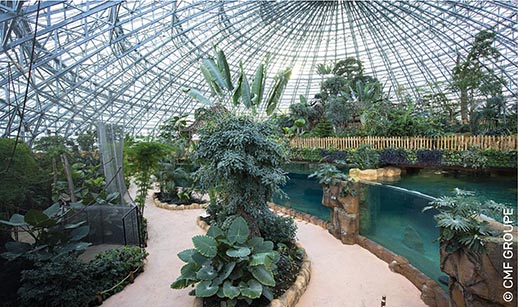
x=454 y=142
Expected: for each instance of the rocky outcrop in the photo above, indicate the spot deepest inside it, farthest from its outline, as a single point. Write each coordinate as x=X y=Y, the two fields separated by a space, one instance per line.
x=480 y=279
x=345 y=212
x=375 y=174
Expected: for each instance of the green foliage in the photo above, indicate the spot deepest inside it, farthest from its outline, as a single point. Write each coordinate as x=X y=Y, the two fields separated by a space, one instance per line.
x=86 y=141
x=460 y=222
x=112 y=266
x=288 y=267
x=242 y=161
x=497 y=158
x=173 y=133
x=351 y=68
x=473 y=158
x=230 y=265
x=323 y=129
x=17 y=184
x=305 y=154
x=65 y=281
x=62 y=282
x=385 y=119
x=250 y=95
x=52 y=237
x=143 y=158
x=364 y=157
x=54 y=145
x=277 y=229
x=472 y=78
x=328 y=175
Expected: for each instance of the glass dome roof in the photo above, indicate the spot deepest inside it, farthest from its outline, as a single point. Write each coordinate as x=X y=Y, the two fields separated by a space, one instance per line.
x=126 y=62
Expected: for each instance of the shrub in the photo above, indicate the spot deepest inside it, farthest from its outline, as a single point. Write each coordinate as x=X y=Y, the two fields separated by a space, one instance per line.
x=277 y=229
x=230 y=265
x=305 y=154
x=364 y=157
x=473 y=158
x=497 y=158
x=242 y=161
x=429 y=157
x=333 y=155
x=393 y=156
x=323 y=129
x=459 y=220
x=452 y=158
x=112 y=266
x=62 y=282
x=288 y=267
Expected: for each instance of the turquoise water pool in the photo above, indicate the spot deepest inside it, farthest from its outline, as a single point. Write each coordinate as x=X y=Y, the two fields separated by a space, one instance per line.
x=393 y=217
x=501 y=189
x=305 y=194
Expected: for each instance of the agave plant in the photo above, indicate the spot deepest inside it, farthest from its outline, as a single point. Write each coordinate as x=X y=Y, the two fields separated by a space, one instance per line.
x=216 y=73
x=230 y=265
x=459 y=219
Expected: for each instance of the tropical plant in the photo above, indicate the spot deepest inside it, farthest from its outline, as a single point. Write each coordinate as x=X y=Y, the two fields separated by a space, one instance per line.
x=18 y=176
x=473 y=158
x=242 y=161
x=364 y=157
x=472 y=77
x=231 y=265
x=323 y=129
x=86 y=141
x=393 y=156
x=460 y=222
x=111 y=267
x=143 y=158
x=329 y=175
x=216 y=72
x=169 y=176
x=52 y=236
x=65 y=281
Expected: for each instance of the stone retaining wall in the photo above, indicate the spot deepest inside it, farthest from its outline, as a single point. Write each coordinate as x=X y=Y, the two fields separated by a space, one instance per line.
x=299 y=215
x=167 y=206
x=291 y=297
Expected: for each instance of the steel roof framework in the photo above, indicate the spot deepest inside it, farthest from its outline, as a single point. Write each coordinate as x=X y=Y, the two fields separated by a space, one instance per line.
x=125 y=62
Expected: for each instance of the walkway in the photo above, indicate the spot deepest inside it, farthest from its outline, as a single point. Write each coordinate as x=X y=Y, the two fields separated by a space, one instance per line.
x=342 y=275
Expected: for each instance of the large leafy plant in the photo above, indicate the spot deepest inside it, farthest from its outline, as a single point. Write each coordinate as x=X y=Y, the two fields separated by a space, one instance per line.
x=459 y=220
x=241 y=159
x=365 y=157
x=52 y=236
x=217 y=74
x=231 y=265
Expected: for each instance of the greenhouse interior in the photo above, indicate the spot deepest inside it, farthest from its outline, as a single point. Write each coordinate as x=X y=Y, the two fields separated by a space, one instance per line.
x=228 y=153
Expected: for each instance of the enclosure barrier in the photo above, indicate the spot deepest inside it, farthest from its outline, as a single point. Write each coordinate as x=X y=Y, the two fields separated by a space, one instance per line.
x=453 y=142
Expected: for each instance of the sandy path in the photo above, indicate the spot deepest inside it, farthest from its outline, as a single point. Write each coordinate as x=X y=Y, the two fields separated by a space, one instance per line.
x=349 y=275
x=342 y=275
x=170 y=232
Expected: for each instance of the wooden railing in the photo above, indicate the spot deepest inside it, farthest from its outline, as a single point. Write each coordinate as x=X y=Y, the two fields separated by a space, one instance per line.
x=454 y=142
